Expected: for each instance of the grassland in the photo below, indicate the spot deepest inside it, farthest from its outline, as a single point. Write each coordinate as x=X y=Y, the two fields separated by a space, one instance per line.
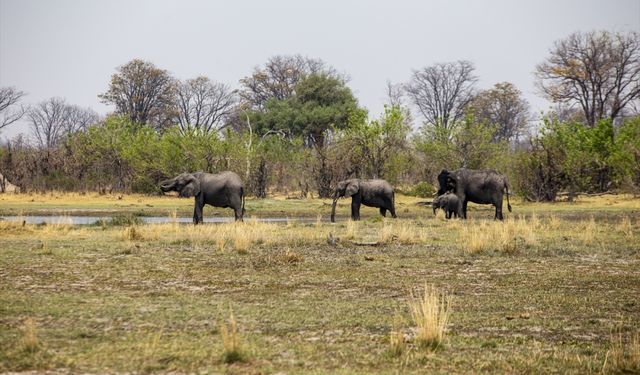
x=553 y=289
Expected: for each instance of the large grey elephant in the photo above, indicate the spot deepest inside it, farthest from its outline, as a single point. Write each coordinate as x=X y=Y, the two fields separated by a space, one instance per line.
x=484 y=186
x=372 y=193
x=218 y=190
x=449 y=202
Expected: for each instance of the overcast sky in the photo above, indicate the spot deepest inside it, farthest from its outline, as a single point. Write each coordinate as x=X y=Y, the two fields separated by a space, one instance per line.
x=70 y=48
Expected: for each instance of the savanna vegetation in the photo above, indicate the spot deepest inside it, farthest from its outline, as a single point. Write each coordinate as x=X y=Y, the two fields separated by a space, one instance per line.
x=553 y=288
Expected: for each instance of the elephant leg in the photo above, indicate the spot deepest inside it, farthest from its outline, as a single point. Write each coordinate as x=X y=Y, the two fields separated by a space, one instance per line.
x=197 y=214
x=355 y=207
x=392 y=209
x=238 y=213
x=464 y=208
x=383 y=211
x=499 y=211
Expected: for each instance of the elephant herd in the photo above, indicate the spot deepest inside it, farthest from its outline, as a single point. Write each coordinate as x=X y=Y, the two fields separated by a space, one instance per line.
x=456 y=189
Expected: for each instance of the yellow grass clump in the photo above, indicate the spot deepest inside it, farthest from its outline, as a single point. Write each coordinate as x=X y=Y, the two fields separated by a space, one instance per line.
x=624 y=355
x=29 y=341
x=625 y=227
x=430 y=313
x=397 y=344
x=506 y=236
x=402 y=232
x=232 y=350
x=588 y=231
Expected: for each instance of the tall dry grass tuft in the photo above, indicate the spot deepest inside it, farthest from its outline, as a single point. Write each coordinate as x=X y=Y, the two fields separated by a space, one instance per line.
x=589 y=231
x=132 y=233
x=397 y=344
x=624 y=355
x=352 y=229
x=430 y=313
x=405 y=234
x=625 y=227
x=29 y=341
x=553 y=222
x=506 y=237
x=231 y=341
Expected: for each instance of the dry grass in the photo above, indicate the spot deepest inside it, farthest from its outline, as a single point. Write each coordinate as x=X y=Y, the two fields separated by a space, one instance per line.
x=352 y=229
x=232 y=350
x=430 y=313
x=132 y=233
x=403 y=233
x=625 y=227
x=291 y=257
x=507 y=237
x=589 y=231
x=29 y=342
x=624 y=355
x=397 y=343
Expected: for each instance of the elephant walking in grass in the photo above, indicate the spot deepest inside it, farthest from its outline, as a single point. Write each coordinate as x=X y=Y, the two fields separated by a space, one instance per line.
x=372 y=193
x=449 y=202
x=218 y=190
x=484 y=186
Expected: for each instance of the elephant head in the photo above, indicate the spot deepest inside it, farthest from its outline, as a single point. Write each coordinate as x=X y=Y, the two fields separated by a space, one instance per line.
x=345 y=189
x=437 y=203
x=186 y=184
x=446 y=182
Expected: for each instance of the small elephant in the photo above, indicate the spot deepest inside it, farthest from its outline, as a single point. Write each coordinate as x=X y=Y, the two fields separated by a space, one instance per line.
x=372 y=193
x=449 y=202
x=218 y=190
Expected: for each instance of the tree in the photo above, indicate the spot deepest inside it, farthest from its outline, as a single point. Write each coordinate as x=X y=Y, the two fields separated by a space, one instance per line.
x=204 y=105
x=9 y=98
x=503 y=107
x=49 y=120
x=320 y=104
x=441 y=92
x=143 y=92
x=53 y=118
x=278 y=79
x=598 y=71
x=375 y=142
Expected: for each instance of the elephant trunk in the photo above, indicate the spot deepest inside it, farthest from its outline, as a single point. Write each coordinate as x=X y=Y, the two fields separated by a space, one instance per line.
x=434 y=209
x=333 y=207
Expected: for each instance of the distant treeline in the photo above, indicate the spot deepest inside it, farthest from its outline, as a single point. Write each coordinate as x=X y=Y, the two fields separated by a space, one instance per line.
x=295 y=127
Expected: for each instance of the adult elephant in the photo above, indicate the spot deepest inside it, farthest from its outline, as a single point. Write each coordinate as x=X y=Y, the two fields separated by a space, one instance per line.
x=218 y=190
x=372 y=193
x=484 y=186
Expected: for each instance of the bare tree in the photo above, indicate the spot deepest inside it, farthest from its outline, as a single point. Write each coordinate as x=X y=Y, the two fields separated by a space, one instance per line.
x=53 y=118
x=204 y=105
x=10 y=111
x=504 y=107
x=49 y=121
x=79 y=119
x=441 y=92
x=143 y=92
x=598 y=71
x=278 y=78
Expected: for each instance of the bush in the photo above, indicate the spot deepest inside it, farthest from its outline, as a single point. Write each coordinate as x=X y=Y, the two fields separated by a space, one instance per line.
x=422 y=189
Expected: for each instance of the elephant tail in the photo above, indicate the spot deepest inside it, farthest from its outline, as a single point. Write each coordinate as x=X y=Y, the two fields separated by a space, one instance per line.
x=242 y=193
x=506 y=186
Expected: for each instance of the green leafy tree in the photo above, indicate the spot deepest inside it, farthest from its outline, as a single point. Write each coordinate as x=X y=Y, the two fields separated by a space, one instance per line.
x=376 y=142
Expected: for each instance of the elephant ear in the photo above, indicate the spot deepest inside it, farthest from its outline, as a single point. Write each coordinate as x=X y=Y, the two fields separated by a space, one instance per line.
x=191 y=189
x=451 y=182
x=352 y=189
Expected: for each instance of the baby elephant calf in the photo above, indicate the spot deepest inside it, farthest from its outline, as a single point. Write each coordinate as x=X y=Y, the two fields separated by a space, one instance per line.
x=449 y=202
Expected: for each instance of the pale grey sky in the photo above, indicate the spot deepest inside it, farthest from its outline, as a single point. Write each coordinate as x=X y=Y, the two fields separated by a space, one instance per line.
x=70 y=48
